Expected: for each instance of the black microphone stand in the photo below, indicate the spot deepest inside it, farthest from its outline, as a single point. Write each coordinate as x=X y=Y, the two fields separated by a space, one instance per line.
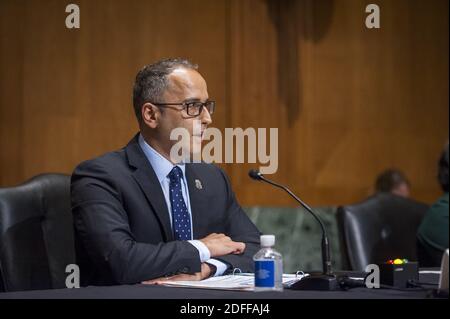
x=325 y=281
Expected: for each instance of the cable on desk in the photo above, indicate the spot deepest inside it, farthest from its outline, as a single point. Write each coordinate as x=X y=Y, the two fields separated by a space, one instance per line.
x=348 y=283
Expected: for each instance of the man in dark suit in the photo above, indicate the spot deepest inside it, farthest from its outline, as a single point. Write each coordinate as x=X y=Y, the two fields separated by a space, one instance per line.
x=141 y=217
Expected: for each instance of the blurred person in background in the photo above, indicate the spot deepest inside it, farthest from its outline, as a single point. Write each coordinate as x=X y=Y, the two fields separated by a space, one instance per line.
x=393 y=181
x=432 y=236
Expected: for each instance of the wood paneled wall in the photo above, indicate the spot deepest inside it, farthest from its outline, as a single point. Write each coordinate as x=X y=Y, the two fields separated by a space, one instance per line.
x=347 y=101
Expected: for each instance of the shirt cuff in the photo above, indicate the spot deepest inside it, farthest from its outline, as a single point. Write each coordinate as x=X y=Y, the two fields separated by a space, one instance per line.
x=203 y=251
x=220 y=266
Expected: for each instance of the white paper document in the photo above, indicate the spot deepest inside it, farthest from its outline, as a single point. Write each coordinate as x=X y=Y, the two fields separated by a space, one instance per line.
x=241 y=281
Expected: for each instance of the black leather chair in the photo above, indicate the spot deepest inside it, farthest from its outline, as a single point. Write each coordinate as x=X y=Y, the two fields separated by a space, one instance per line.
x=378 y=229
x=36 y=233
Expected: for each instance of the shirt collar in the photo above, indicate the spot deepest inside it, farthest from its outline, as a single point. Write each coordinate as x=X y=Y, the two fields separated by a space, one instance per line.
x=161 y=165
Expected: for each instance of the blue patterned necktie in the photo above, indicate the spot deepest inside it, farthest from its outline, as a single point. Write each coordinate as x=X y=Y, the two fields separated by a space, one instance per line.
x=180 y=215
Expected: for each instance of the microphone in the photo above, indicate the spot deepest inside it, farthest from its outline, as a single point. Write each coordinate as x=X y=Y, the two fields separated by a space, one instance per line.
x=256 y=175
x=325 y=281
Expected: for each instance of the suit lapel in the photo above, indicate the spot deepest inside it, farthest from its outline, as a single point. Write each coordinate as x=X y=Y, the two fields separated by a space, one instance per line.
x=196 y=196
x=146 y=178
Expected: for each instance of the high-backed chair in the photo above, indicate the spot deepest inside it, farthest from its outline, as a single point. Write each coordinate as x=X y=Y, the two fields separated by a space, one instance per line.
x=36 y=233
x=380 y=228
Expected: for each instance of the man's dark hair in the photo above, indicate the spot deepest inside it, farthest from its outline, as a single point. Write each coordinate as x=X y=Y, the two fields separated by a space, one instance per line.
x=151 y=82
x=443 y=169
x=390 y=179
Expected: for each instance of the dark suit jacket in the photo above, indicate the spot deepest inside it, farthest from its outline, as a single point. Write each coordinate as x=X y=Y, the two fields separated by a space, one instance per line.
x=122 y=227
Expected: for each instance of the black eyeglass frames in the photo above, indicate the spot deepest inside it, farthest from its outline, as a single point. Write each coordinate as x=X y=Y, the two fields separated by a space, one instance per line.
x=193 y=108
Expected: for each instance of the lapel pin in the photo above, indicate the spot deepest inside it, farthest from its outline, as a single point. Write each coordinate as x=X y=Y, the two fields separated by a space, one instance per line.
x=198 y=184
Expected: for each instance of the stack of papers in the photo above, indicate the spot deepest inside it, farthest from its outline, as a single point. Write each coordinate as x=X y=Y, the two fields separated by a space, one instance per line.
x=240 y=281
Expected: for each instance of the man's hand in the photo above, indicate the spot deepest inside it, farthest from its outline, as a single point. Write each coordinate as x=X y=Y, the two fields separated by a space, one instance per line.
x=221 y=245
x=203 y=274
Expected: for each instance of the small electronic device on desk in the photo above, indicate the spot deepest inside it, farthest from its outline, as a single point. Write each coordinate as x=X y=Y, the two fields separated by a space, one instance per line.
x=399 y=273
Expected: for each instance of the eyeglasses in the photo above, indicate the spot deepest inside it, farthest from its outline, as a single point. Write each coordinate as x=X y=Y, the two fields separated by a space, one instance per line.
x=193 y=108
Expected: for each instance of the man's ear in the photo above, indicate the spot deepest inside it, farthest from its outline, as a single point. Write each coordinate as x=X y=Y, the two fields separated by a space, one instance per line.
x=150 y=115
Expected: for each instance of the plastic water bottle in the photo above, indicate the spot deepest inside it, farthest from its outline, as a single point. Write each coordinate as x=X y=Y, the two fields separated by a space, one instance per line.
x=268 y=266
